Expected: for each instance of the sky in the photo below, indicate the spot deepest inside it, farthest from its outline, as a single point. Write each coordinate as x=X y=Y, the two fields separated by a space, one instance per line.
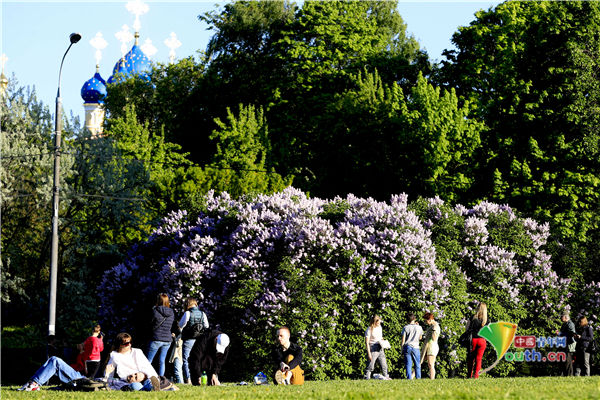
x=35 y=36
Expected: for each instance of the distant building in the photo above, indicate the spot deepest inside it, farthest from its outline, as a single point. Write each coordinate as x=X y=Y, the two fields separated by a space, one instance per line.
x=93 y=92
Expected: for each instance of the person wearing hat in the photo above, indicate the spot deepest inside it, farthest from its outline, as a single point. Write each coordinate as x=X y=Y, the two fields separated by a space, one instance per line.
x=208 y=355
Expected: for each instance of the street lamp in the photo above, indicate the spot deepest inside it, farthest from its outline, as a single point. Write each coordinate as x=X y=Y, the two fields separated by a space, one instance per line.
x=74 y=38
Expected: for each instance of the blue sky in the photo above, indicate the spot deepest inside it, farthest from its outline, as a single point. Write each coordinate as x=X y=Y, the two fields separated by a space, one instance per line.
x=35 y=35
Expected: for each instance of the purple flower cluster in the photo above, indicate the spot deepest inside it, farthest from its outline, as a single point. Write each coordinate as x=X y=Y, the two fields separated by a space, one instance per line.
x=248 y=256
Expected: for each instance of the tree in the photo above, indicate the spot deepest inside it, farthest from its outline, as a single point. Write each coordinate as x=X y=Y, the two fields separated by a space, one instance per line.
x=291 y=62
x=168 y=101
x=26 y=171
x=531 y=68
x=325 y=47
x=240 y=162
x=421 y=142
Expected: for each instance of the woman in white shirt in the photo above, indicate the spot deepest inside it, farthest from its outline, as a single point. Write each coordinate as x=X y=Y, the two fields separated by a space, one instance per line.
x=132 y=365
x=375 y=351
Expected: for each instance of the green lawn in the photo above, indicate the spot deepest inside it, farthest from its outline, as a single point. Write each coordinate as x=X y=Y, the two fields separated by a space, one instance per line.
x=483 y=388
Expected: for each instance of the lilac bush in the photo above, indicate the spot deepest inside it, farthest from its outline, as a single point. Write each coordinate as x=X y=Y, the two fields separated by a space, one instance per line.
x=323 y=267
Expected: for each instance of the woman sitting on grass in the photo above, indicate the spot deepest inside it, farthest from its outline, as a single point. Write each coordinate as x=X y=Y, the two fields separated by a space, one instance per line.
x=130 y=364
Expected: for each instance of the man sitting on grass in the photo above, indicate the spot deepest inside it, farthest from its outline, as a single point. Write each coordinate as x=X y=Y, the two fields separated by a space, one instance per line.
x=288 y=357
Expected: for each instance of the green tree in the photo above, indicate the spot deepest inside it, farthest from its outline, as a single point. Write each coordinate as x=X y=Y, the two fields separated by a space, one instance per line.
x=325 y=47
x=293 y=62
x=421 y=142
x=172 y=99
x=26 y=175
x=241 y=159
x=531 y=68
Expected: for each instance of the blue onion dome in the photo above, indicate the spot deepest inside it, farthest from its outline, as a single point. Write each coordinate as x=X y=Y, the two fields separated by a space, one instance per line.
x=119 y=72
x=94 y=90
x=133 y=63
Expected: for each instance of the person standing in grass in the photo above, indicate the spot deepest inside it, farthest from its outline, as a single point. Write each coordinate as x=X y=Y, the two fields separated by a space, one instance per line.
x=411 y=335
x=430 y=343
x=584 y=337
x=190 y=318
x=162 y=321
x=568 y=330
x=475 y=353
x=375 y=350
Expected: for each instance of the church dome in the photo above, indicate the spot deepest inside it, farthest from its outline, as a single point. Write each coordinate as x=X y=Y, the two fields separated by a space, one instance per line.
x=133 y=63
x=94 y=90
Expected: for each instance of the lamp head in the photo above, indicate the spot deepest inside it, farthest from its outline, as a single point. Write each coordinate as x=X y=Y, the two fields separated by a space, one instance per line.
x=74 y=37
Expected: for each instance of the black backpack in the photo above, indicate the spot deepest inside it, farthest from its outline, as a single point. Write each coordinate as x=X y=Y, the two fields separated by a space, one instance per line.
x=194 y=331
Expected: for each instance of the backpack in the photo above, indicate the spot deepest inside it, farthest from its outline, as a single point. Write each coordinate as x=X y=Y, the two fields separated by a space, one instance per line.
x=84 y=385
x=194 y=331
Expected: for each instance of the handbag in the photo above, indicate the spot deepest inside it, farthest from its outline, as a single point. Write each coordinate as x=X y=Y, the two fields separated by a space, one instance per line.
x=466 y=339
x=385 y=344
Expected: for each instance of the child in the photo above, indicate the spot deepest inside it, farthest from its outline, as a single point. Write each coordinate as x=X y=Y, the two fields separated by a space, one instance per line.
x=375 y=351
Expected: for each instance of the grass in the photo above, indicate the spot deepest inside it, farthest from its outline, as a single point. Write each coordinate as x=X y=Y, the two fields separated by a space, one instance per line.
x=483 y=388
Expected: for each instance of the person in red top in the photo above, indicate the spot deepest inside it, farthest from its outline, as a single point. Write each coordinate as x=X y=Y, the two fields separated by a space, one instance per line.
x=88 y=360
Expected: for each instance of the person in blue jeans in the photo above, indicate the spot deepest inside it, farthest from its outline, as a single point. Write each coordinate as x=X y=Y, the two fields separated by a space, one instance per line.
x=162 y=321
x=56 y=366
x=191 y=317
x=411 y=335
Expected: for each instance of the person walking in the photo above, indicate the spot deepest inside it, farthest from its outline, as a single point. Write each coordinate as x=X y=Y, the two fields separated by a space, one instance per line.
x=188 y=324
x=411 y=335
x=584 y=338
x=375 y=349
x=162 y=321
x=430 y=343
x=478 y=344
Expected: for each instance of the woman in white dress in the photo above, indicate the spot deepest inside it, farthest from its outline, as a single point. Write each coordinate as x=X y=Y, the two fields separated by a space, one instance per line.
x=430 y=344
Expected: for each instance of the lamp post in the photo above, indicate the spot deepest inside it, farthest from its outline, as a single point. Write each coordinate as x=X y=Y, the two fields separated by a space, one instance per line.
x=74 y=38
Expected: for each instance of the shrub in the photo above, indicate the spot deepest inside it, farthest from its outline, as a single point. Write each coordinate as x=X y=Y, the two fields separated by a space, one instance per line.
x=323 y=267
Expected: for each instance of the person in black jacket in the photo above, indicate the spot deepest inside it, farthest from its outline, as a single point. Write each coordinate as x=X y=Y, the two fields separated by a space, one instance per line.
x=584 y=337
x=208 y=355
x=162 y=321
x=478 y=344
x=288 y=357
x=567 y=330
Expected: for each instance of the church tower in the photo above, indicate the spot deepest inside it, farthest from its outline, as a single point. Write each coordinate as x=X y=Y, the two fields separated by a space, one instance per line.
x=93 y=93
